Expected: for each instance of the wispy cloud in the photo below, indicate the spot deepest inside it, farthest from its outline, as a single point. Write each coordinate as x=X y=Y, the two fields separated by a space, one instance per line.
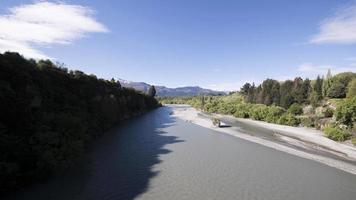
x=231 y=86
x=45 y=23
x=339 y=29
x=312 y=69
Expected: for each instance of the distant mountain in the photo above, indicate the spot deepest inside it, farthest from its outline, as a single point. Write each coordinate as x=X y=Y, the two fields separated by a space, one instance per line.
x=165 y=91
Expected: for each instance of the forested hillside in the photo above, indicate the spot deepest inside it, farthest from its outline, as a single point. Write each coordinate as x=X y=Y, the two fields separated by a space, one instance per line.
x=49 y=114
x=326 y=103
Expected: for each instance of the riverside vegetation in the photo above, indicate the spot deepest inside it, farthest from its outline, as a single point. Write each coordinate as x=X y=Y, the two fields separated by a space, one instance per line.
x=49 y=115
x=326 y=103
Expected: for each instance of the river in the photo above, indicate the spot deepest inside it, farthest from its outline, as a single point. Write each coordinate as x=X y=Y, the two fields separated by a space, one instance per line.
x=159 y=157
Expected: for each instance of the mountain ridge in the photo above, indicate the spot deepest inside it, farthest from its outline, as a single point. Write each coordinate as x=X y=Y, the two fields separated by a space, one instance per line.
x=164 y=91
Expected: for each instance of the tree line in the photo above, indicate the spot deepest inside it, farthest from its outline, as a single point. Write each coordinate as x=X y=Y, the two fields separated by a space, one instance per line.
x=49 y=114
x=286 y=93
x=318 y=103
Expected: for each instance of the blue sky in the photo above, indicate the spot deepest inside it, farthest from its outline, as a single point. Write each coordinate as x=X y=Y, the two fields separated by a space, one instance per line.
x=214 y=44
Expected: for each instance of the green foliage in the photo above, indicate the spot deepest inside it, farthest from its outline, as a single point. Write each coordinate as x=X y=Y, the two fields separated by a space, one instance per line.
x=259 y=112
x=337 y=90
x=328 y=112
x=242 y=111
x=339 y=84
x=295 y=109
x=270 y=92
x=345 y=112
x=351 y=91
x=49 y=115
x=318 y=88
x=274 y=113
x=286 y=92
x=336 y=133
x=314 y=99
x=307 y=121
x=353 y=140
x=288 y=119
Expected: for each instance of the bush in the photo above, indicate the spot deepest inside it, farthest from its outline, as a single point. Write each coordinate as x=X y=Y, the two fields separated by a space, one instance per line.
x=345 y=112
x=337 y=90
x=353 y=140
x=274 y=113
x=336 y=133
x=307 y=121
x=242 y=111
x=295 y=109
x=259 y=112
x=288 y=119
x=328 y=112
x=351 y=91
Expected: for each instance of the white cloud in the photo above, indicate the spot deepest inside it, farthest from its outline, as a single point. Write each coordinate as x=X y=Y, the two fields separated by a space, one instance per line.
x=230 y=86
x=340 y=29
x=45 y=23
x=311 y=69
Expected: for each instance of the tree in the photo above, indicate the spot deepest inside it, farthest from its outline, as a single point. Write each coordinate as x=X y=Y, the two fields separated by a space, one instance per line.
x=286 y=94
x=251 y=94
x=152 y=91
x=318 y=88
x=49 y=116
x=306 y=90
x=270 y=92
x=327 y=83
x=298 y=92
x=245 y=88
x=345 y=112
x=351 y=89
x=337 y=90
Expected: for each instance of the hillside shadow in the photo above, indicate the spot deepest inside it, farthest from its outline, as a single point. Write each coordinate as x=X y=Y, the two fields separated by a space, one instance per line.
x=120 y=165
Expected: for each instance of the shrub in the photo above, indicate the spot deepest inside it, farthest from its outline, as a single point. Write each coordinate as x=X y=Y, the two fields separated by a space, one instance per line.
x=337 y=90
x=242 y=111
x=288 y=119
x=295 y=109
x=328 y=112
x=274 y=113
x=259 y=112
x=336 y=133
x=345 y=112
x=351 y=91
x=353 y=140
x=307 y=121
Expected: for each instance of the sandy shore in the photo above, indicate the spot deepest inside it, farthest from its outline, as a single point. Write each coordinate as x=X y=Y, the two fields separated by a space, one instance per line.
x=305 y=138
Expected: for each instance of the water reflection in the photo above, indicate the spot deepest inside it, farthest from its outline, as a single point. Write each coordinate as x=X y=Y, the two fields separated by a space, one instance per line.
x=120 y=165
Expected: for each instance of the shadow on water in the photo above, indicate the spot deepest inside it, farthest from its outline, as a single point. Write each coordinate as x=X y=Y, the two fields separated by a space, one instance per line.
x=120 y=165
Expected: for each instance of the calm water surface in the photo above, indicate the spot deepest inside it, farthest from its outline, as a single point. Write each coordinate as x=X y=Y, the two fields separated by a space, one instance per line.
x=159 y=157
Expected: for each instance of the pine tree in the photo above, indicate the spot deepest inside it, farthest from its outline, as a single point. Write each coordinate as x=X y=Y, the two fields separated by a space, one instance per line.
x=318 y=88
x=152 y=91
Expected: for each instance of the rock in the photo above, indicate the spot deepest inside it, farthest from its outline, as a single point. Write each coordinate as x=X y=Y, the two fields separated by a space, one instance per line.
x=308 y=110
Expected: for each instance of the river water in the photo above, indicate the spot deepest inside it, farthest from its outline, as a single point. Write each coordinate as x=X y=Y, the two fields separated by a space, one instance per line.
x=159 y=157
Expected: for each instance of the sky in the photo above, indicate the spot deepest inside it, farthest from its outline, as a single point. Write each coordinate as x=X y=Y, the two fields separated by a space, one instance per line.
x=216 y=44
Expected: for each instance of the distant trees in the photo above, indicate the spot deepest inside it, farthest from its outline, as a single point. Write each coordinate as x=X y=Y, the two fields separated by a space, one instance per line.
x=339 y=84
x=286 y=91
x=337 y=90
x=152 y=91
x=49 y=114
x=351 y=91
x=284 y=94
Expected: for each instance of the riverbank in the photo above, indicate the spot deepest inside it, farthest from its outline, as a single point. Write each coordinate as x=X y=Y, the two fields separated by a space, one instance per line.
x=303 y=142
